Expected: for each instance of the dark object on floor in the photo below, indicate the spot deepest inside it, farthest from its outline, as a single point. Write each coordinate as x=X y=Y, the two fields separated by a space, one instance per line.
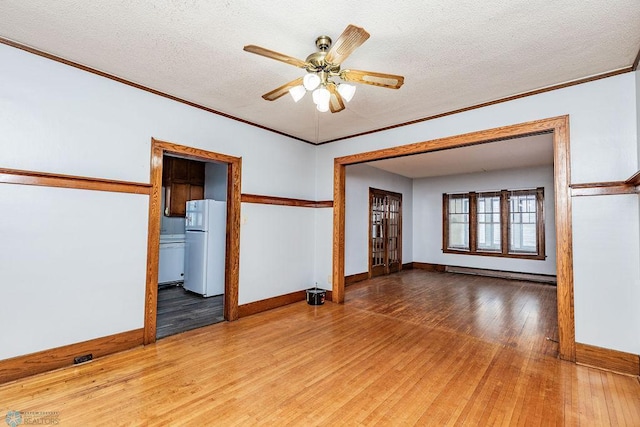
x=315 y=296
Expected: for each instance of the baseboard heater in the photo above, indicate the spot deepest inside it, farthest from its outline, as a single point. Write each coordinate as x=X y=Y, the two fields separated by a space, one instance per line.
x=530 y=277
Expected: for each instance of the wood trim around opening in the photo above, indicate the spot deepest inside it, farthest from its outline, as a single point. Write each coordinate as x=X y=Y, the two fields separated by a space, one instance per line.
x=232 y=259
x=339 y=181
x=559 y=126
x=47 y=360
x=605 y=358
x=44 y=179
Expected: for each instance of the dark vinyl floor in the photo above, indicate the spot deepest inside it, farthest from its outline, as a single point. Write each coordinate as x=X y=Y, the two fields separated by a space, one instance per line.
x=180 y=310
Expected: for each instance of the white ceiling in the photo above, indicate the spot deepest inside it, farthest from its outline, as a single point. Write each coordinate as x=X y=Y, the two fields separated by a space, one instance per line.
x=517 y=153
x=453 y=54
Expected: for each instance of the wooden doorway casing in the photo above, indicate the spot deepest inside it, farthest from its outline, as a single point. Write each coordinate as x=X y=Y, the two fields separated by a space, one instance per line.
x=382 y=258
x=232 y=261
x=559 y=127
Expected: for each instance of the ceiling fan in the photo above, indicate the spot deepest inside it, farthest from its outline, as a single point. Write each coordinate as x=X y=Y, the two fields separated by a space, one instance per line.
x=323 y=66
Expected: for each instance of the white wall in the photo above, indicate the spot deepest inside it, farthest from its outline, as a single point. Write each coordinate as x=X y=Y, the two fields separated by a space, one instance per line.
x=427 y=202
x=72 y=266
x=276 y=250
x=215 y=181
x=323 y=250
x=54 y=118
x=604 y=147
x=610 y=224
x=58 y=119
x=359 y=179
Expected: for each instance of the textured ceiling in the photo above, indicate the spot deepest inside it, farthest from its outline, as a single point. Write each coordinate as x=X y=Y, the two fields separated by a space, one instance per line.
x=453 y=54
x=524 y=152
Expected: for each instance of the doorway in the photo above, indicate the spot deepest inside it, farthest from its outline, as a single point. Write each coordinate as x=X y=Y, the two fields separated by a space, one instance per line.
x=559 y=128
x=191 y=262
x=159 y=149
x=385 y=232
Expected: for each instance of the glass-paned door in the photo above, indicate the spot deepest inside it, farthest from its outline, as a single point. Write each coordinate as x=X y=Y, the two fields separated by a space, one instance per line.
x=385 y=232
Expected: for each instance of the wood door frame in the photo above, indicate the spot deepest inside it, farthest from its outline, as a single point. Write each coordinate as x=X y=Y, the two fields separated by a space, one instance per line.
x=373 y=191
x=559 y=127
x=232 y=259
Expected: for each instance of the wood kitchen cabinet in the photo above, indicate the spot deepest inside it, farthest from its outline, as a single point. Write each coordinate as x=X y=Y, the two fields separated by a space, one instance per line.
x=183 y=180
x=196 y=192
x=195 y=173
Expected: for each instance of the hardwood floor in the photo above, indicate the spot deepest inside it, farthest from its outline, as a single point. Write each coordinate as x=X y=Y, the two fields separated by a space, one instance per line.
x=383 y=358
x=180 y=310
x=521 y=315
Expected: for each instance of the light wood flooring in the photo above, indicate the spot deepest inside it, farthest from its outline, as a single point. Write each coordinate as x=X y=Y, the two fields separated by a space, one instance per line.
x=415 y=348
x=180 y=310
x=516 y=314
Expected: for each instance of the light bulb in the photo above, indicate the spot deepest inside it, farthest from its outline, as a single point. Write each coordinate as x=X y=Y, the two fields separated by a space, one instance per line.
x=321 y=96
x=323 y=107
x=297 y=92
x=346 y=91
x=311 y=81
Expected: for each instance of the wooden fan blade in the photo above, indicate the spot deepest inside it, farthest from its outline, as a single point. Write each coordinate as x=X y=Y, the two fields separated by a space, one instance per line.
x=336 y=103
x=390 y=81
x=350 y=39
x=275 y=55
x=282 y=90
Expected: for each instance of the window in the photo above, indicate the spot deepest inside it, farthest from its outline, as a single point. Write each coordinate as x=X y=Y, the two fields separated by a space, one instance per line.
x=507 y=223
x=459 y=222
x=489 y=222
x=522 y=224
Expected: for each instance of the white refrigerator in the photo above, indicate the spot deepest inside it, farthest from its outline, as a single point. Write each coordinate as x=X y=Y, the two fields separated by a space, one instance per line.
x=204 y=257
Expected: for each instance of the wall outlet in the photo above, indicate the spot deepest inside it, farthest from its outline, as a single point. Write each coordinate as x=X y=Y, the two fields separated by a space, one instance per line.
x=329 y=278
x=82 y=359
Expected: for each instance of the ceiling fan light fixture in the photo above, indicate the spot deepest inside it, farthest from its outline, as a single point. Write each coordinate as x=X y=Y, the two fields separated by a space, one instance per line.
x=323 y=107
x=323 y=66
x=321 y=96
x=346 y=91
x=297 y=92
x=311 y=81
